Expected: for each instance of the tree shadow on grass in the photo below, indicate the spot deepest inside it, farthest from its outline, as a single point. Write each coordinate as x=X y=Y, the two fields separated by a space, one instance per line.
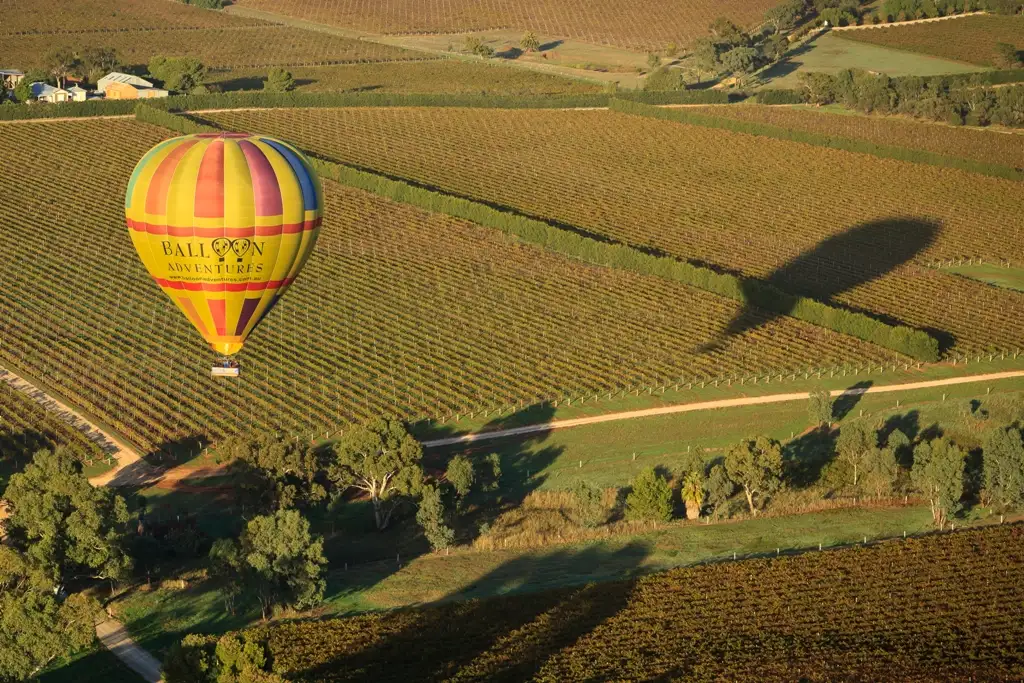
x=835 y=265
x=849 y=399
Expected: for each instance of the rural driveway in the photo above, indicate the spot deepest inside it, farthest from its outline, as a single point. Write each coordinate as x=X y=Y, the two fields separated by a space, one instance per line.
x=712 y=405
x=115 y=638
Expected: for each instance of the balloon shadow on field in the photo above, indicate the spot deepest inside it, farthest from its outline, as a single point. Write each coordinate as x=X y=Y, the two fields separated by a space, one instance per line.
x=835 y=265
x=536 y=605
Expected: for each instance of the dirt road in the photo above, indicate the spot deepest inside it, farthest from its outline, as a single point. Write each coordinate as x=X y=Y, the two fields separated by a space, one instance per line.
x=115 y=638
x=712 y=405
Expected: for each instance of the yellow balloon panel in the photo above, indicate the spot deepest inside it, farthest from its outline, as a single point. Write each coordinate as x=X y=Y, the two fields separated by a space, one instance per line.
x=224 y=222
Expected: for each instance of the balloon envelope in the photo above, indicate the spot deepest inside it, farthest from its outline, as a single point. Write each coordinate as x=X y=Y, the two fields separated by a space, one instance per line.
x=224 y=222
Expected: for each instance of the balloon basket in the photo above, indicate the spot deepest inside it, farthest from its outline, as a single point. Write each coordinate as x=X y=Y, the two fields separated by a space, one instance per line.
x=225 y=367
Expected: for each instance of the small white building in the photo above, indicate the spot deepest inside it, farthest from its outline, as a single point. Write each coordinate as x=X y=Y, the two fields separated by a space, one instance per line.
x=44 y=92
x=10 y=78
x=78 y=93
x=118 y=77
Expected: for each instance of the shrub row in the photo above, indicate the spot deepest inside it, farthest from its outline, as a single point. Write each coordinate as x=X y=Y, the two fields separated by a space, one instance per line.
x=257 y=99
x=14 y=112
x=945 y=81
x=908 y=341
x=780 y=97
x=819 y=139
x=166 y=119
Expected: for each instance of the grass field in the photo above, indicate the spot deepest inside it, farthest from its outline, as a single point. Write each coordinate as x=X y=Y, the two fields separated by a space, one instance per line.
x=434 y=76
x=653 y=26
x=969 y=143
x=884 y=612
x=397 y=310
x=830 y=54
x=971 y=39
x=552 y=461
x=797 y=213
x=1000 y=276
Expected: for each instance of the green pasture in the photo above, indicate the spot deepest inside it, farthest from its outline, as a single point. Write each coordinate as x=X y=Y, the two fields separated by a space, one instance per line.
x=1000 y=276
x=830 y=54
x=694 y=390
x=612 y=453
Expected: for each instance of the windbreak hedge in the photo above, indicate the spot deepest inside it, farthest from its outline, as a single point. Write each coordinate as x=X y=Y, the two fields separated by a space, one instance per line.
x=861 y=146
x=258 y=99
x=908 y=341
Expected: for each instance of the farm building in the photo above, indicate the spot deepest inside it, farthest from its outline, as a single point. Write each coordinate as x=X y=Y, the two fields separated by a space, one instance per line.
x=119 y=86
x=10 y=78
x=44 y=92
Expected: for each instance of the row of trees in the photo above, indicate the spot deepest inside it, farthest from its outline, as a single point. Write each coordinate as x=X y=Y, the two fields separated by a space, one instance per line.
x=954 y=101
x=861 y=459
x=902 y=10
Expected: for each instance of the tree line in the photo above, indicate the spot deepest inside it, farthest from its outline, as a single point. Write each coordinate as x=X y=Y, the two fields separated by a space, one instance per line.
x=958 y=101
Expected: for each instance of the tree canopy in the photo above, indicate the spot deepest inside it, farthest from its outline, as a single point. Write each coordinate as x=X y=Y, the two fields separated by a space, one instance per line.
x=938 y=472
x=277 y=559
x=178 y=73
x=756 y=465
x=66 y=527
x=650 y=499
x=381 y=459
x=36 y=625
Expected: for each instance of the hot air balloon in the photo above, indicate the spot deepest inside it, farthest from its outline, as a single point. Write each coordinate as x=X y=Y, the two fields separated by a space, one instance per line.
x=224 y=222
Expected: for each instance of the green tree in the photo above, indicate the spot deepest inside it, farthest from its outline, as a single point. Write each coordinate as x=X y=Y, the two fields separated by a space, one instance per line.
x=727 y=34
x=881 y=470
x=653 y=60
x=756 y=466
x=529 y=42
x=182 y=74
x=476 y=45
x=705 y=57
x=277 y=559
x=1007 y=56
x=276 y=471
x=818 y=88
x=36 y=626
x=279 y=80
x=856 y=445
x=231 y=658
x=740 y=61
x=1003 y=466
x=97 y=62
x=381 y=459
x=719 y=489
x=665 y=79
x=431 y=518
x=67 y=528
x=693 y=493
x=492 y=478
x=900 y=445
x=819 y=407
x=587 y=504
x=938 y=473
x=785 y=16
x=61 y=62
x=461 y=475
x=650 y=498
x=206 y=4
